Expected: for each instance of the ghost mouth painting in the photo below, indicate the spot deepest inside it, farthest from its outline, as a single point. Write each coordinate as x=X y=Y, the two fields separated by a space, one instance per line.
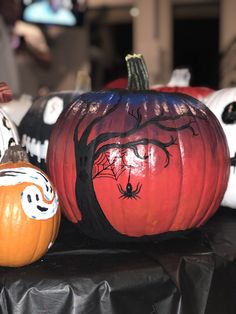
x=42 y=209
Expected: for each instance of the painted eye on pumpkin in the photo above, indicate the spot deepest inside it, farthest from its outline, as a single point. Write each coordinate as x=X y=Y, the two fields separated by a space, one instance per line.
x=53 y=109
x=229 y=113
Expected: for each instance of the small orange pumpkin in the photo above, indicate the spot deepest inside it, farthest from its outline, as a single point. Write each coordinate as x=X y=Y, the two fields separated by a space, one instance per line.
x=29 y=210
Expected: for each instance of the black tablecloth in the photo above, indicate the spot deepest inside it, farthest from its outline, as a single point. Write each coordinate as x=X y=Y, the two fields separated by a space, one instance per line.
x=194 y=273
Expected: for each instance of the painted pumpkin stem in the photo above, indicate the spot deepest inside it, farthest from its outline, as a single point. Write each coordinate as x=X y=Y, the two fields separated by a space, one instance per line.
x=137 y=72
x=14 y=154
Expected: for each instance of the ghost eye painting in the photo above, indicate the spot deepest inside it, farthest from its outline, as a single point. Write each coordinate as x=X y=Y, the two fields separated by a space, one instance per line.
x=223 y=104
x=36 y=203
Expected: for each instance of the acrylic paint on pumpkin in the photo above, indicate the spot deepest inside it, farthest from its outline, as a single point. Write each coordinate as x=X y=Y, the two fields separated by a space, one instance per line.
x=149 y=166
x=35 y=127
x=30 y=214
x=131 y=165
x=223 y=104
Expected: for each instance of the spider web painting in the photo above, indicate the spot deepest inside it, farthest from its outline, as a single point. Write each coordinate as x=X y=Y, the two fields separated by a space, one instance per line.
x=108 y=165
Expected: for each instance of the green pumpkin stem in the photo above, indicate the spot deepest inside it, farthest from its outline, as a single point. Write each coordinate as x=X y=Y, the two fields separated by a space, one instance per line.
x=137 y=72
x=14 y=154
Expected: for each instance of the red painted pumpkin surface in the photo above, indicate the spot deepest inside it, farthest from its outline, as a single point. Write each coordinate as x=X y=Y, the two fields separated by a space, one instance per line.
x=199 y=92
x=134 y=164
x=121 y=82
x=180 y=83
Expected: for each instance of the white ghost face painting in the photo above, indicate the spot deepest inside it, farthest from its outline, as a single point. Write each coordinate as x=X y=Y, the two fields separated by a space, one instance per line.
x=223 y=104
x=38 y=199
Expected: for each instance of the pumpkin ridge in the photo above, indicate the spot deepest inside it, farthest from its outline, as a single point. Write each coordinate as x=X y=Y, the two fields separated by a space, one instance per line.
x=3 y=248
x=123 y=207
x=60 y=125
x=55 y=227
x=172 y=221
x=208 y=211
x=35 y=252
x=203 y=172
x=147 y=203
x=178 y=219
x=222 y=174
x=64 y=183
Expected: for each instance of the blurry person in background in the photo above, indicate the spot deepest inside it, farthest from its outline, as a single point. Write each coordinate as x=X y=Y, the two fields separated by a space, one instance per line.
x=9 y=13
x=51 y=12
x=47 y=56
x=12 y=32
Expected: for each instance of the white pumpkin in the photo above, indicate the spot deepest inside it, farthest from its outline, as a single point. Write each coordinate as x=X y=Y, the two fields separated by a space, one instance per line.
x=8 y=133
x=17 y=107
x=223 y=104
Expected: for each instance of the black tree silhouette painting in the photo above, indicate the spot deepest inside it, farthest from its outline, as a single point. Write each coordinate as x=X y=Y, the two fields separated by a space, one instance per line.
x=92 y=157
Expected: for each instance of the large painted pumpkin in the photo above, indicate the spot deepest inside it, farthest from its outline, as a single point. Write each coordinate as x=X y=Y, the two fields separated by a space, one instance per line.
x=29 y=211
x=8 y=131
x=223 y=105
x=180 y=83
x=35 y=127
x=134 y=164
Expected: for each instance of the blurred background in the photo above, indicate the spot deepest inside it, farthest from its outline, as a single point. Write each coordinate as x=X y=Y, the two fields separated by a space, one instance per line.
x=37 y=56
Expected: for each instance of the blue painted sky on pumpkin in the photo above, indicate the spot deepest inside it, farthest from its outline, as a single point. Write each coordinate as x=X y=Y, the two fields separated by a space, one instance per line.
x=112 y=97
